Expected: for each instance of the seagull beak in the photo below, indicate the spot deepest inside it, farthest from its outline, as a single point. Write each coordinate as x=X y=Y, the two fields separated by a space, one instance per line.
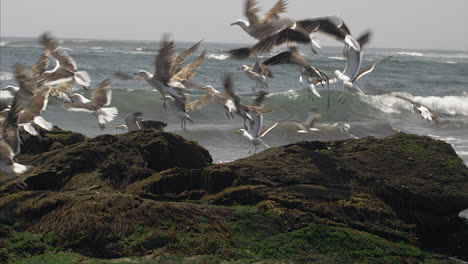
x=237 y=131
x=233 y=23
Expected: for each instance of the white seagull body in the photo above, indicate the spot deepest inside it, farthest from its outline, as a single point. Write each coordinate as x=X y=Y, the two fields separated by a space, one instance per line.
x=100 y=97
x=254 y=134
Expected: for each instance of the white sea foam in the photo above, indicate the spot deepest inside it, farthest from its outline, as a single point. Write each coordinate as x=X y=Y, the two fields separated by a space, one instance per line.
x=218 y=56
x=96 y=48
x=5 y=76
x=5 y=94
x=414 y=54
x=451 y=105
x=388 y=103
x=337 y=58
x=3 y=43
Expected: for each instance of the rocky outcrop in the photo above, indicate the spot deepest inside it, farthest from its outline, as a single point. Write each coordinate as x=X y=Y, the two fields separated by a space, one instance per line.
x=145 y=192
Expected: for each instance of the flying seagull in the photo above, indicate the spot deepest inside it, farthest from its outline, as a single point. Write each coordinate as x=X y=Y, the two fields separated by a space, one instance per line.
x=254 y=133
x=309 y=124
x=65 y=68
x=307 y=71
x=272 y=31
x=9 y=141
x=99 y=98
x=425 y=112
x=258 y=72
x=170 y=76
x=31 y=113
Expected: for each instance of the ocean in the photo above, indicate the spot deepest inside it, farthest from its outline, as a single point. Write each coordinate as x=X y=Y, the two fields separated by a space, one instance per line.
x=435 y=78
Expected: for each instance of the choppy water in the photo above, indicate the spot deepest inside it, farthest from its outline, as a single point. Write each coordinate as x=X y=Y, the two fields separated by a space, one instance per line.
x=437 y=79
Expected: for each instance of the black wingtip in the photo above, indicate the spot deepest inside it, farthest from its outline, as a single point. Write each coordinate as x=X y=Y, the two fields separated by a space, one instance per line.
x=240 y=54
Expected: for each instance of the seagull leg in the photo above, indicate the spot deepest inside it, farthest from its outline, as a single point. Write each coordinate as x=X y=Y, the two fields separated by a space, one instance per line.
x=250 y=149
x=341 y=99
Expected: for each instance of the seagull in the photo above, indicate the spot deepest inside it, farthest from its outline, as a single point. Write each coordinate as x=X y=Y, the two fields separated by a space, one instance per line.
x=258 y=72
x=9 y=141
x=353 y=65
x=242 y=110
x=178 y=106
x=133 y=122
x=271 y=31
x=27 y=84
x=65 y=68
x=309 y=123
x=254 y=135
x=9 y=124
x=267 y=25
x=31 y=113
x=212 y=94
x=37 y=99
x=170 y=76
x=99 y=98
x=425 y=112
x=308 y=71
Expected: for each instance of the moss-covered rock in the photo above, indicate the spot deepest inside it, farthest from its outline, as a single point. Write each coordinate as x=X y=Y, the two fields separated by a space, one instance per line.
x=155 y=194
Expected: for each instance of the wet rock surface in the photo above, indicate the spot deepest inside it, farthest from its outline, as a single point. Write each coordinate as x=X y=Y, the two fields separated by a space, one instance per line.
x=146 y=192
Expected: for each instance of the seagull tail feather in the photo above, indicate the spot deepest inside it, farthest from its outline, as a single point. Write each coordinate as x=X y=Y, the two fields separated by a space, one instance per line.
x=106 y=114
x=19 y=169
x=82 y=78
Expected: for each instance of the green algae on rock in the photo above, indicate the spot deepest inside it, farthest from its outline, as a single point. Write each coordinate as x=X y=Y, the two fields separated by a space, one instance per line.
x=154 y=194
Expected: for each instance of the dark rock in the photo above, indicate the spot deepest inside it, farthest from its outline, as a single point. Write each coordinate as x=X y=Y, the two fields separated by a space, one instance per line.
x=108 y=196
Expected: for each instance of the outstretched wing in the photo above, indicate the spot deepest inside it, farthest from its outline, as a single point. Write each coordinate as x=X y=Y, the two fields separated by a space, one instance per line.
x=251 y=11
x=164 y=61
x=286 y=36
x=103 y=94
x=272 y=14
x=189 y=70
x=369 y=69
x=179 y=59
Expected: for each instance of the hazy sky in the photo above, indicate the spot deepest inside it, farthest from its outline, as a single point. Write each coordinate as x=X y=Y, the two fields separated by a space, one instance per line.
x=426 y=24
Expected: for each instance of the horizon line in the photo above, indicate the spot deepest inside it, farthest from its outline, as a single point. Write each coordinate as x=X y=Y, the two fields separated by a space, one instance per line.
x=220 y=42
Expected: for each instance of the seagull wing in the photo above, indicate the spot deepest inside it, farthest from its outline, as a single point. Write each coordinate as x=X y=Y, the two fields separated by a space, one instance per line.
x=369 y=69
x=256 y=66
x=261 y=96
x=56 y=52
x=251 y=11
x=164 y=61
x=25 y=81
x=229 y=88
x=152 y=124
x=103 y=94
x=38 y=103
x=291 y=56
x=80 y=107
x=199 y=103
x=40 y=67
x=325 y=25
x=9 y=129
x=268 y=129
x=180 y=58
x=189 y=70
x=272 y=14
x=286 y=36
x=123 y=75
x=364 y=38
x=5 y=150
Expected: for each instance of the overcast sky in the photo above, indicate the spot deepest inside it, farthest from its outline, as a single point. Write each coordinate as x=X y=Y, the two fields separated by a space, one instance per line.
x=426 y=24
